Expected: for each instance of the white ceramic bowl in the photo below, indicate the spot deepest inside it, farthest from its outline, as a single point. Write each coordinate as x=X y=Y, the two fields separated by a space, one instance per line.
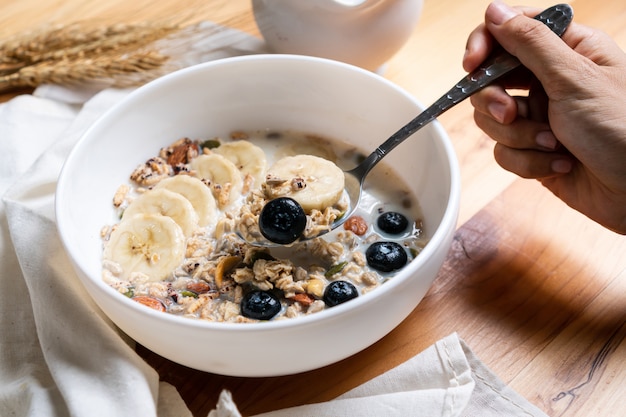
x=262 y=91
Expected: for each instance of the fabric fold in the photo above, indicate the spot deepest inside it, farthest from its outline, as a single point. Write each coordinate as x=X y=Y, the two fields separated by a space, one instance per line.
x=59 y=355
x=436 y=382
x=83 y=352
x=445 y=380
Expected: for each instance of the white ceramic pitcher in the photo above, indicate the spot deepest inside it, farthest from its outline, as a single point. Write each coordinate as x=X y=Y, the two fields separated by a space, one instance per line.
x=365 y=33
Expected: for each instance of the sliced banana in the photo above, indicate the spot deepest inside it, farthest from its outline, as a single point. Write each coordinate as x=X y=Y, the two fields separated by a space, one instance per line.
x=151 y=244
x=167 y=203
x=226 y=180
x=247 y=157
x=198 y=194
x=314 y=182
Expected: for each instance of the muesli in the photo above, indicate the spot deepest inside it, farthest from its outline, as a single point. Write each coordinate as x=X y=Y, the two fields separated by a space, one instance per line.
x=188 y=240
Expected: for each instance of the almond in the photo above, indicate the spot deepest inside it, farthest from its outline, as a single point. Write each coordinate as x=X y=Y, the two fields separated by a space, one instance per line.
x=304 y=299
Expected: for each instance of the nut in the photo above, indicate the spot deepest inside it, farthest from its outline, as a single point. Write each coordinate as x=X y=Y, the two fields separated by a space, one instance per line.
x=304 y=299
x=315 y=287
x=225 y=265
x=357 y=225
x=182 y=153
x=198 y=287
x=151 y=302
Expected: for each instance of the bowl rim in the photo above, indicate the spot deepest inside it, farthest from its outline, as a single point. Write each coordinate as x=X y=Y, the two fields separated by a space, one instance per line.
x=449 y=217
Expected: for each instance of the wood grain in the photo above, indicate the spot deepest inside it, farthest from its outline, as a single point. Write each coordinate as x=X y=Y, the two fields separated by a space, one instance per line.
x=537 y=290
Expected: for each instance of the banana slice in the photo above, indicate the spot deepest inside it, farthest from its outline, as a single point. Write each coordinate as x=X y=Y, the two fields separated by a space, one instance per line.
x=198 y=194
x=314 y=182
x=151 y=244
x=247 y=157
x=226 y=180
x=166 y=203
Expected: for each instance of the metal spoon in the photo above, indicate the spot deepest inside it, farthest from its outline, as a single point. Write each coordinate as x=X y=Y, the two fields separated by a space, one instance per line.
x=557 y=18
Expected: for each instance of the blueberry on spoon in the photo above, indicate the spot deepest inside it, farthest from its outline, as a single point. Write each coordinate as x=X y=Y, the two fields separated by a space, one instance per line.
x=282 y=220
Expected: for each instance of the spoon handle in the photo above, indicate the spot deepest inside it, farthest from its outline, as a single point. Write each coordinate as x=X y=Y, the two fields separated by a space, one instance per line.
x=500 y=62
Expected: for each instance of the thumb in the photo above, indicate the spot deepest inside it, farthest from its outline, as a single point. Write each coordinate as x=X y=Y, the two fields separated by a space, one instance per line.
x=532 y=42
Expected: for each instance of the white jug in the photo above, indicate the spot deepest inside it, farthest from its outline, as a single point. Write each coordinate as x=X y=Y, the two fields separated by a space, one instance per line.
x=365 y=33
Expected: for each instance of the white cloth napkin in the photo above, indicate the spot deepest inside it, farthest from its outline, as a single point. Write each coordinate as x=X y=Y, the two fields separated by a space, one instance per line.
x=59 y=355
x=445 y=380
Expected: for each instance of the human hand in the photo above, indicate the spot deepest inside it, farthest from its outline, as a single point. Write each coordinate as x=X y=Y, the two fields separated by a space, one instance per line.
x=570 y=131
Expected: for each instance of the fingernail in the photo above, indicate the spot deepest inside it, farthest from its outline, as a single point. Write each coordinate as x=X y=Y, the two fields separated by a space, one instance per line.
x=546 y=139
x=561 y=166
x=499 y=13
x=497 y=110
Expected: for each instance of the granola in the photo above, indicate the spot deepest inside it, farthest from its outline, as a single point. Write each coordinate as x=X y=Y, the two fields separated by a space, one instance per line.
x=186 y=250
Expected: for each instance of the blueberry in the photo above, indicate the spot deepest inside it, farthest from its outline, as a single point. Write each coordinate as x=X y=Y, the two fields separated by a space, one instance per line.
x=338 y=292
x=386 y=256
x=260 y=305
x=392 y=222
x=282 y=220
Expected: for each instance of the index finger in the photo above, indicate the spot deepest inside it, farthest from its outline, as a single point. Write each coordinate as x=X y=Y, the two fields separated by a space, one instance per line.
x=481 y=42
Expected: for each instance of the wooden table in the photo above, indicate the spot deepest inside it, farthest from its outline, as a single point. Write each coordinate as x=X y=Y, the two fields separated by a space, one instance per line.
x=537 y=290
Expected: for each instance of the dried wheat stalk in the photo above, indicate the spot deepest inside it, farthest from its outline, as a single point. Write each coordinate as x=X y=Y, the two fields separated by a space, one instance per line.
x=123 y=72
x=119 y=54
